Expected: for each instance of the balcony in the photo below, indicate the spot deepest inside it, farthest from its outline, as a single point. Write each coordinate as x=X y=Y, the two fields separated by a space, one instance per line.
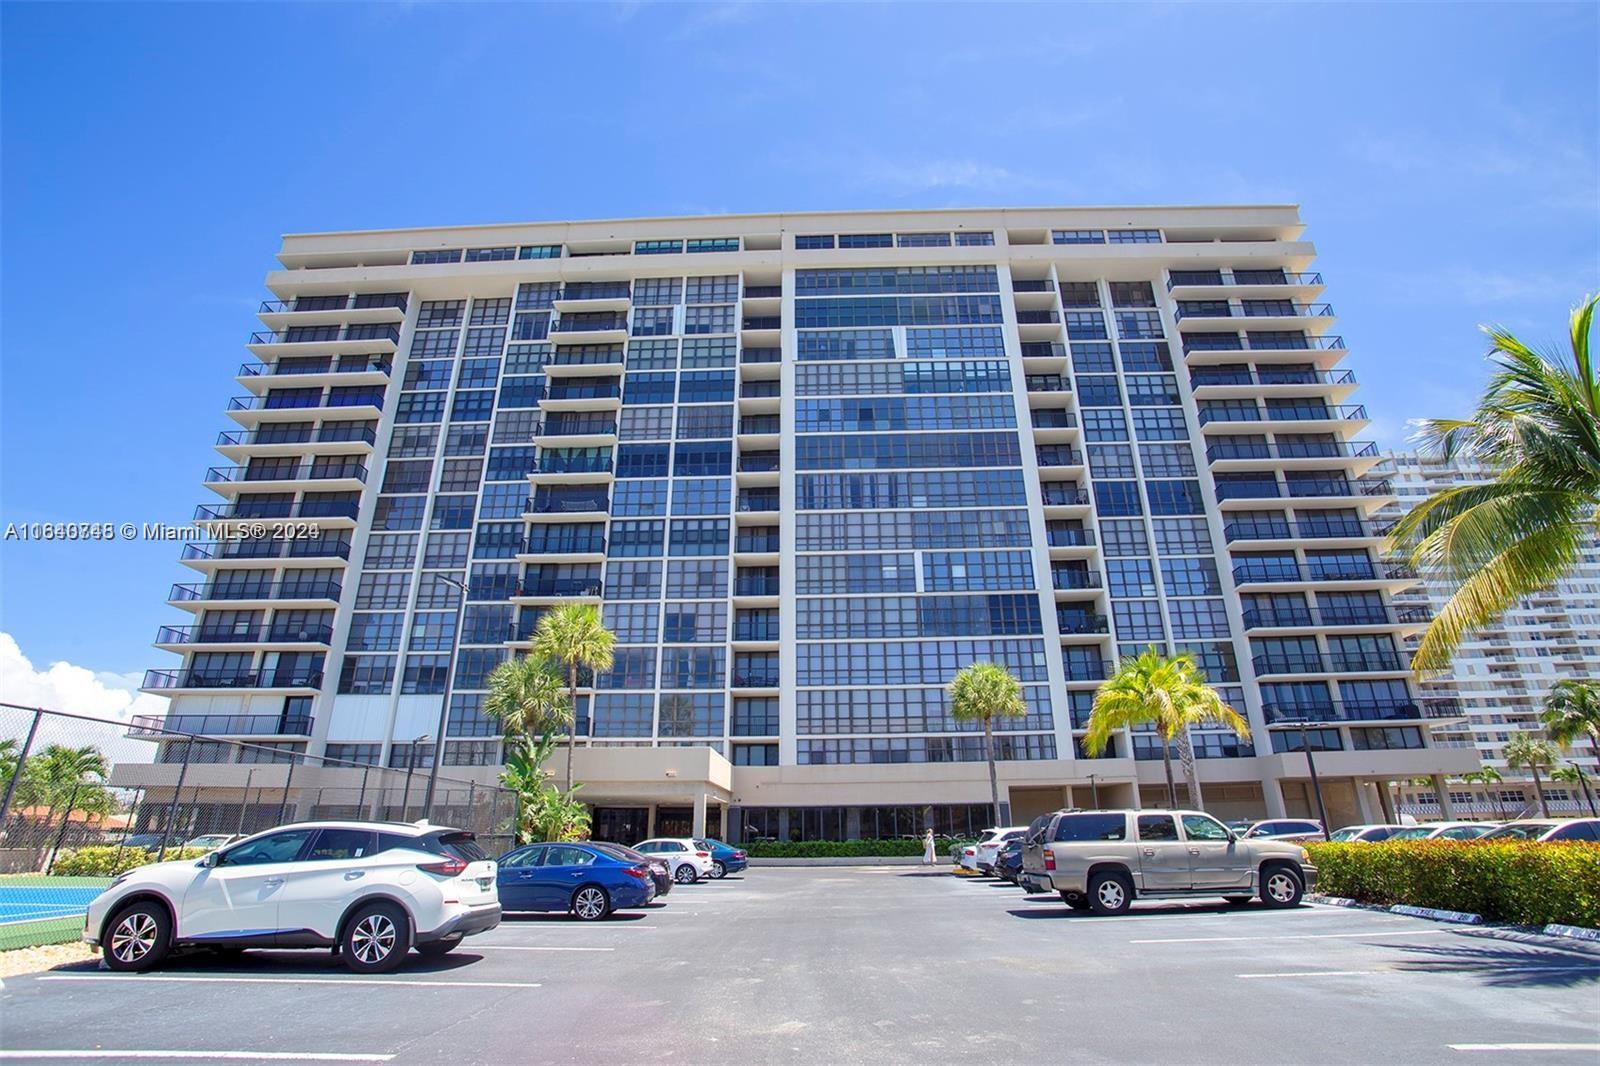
x=292 y=402
x=1283 y=413
x=561 y=588
x=763 y=292
x=587 y=291
x=1324 y=617
x=1055 y=494
x=370 y=368
x=1070 y=622
x=561 y=390
x=205 y=679
x=1378 y=662
x=1064 y=579
x=276 y=436
x=762 y=631
x=565 y=426
x=1289 y=664
x=1189 y=310
x=753 y=390
x=758 y=462
x=761 y=323
x=251 y=549
x=1054 y=418
x=1033 y=285
x=1058 y=455
x=247 y=510
x=761 y=355
x=1345 y=529
x=1224 y=450
x=222 y=725
x=380 y=338
x=754 y=540
x=1038 y=318
x=573 y=464
x=755 y=679
x=1197 y=343
x=369 y=306
x=1180 y=279
x=591 y=324
x=275 y=634
x=1335 y=711
x=1043 y=350
x=552 y=503
x=317 y=471
x=1089 y=669
x=1290 y=573
x=606 y=356
x=1070 y=538
x=757 y=500
x=588 y=544
x=760 y=425
x=756 y=585
x=1047 y=383
x=1265 y=376
x=284 y=590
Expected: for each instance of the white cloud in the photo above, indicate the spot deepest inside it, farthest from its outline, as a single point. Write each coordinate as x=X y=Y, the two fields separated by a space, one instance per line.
x=935 y=174
x=64 y=686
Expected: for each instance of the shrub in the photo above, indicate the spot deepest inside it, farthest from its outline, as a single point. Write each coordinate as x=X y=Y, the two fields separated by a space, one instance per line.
x=1512 y=881
x=832 y=849
x=109 y=860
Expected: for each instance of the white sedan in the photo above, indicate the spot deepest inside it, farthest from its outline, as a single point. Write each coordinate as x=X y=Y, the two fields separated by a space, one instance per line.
x=690 y=862
x=371 y=890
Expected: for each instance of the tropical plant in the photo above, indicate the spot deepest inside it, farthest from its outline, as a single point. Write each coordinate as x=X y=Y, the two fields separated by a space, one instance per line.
x=68 y=779
x=1572 y=713
x=544 y=812
x=573 y=636
x=1488 y=777
x=1531 y=752
x=1570 y=774
x=528 y=698
x=982 y=692
x=1537 y=425
x=8 y=761
x=1170 y=693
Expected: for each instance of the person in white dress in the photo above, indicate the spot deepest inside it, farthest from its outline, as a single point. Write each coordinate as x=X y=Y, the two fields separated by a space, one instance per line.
x=928 y=854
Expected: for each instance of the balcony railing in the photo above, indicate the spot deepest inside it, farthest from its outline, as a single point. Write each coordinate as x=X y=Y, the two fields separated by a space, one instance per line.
x=588 y=545
x=562 y=586
x=585 y=355
x=1230 y=342
x=1289 y=664
x=756 y=543
x=324 y=334
x=577 y=464
x=1069 y=622
x=1089 y=669
x=761 y=355
x=582 y=323
x=761 y=322
x=1058 y=455
x=757 y=501
x=760 y=424
x=278 y=634
x=1354 y=449
x=1064 y=496
x=1032 y=285
x=568 y=504
x=1341 y=711
x=755 y=390
x=344 y=365
x=596 y=290
x=755 y=586
x=232 y=679
x=763 y=292
x=331 y=432
x=1074 y=579
x=1051 y=418
x=1043 y=350
x=1254 y=309
x=584 y=427
x=1069 y=538
x=1204 y=376
x=222 y=725
x=360 y=301
x=1176 y=278
x=308 y=472
x=581 y=389
x=758 y=462
x=277 y=401
x=297 y=590
x=1307 y=413
x=1047 y=383
x=267 y=548
x=1254 y=530
x=1037 y=318
x=247 y=510
x=1256 y=573
x=1299 y=617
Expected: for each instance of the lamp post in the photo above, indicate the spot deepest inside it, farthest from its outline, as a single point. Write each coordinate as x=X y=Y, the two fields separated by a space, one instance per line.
x=411 y=765
x=1316 y=785
x=449 y=678
x=1094 y=792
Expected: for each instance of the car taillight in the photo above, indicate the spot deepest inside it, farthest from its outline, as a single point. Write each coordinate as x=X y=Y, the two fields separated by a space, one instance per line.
x=448 y=868
x=702 y=855
x=738 y=855
x=968 y=851
x=1049 y=860
x=641 y=872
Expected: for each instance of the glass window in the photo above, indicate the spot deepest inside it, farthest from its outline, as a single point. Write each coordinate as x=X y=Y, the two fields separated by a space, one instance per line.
x=337 y=844
x=1204 y=827
x=1157 y=827
x=1081 y=828
x=276 y=847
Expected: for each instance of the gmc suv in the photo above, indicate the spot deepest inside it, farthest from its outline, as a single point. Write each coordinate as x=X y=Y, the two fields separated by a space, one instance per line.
x=1103 y=860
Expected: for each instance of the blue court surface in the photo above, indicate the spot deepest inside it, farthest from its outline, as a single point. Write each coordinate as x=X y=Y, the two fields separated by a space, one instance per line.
x=32 y=903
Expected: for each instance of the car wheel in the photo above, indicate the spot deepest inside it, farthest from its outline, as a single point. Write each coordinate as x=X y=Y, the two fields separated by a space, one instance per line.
x=376 y=939
x=590 y=903
x=434 y=949
x=685 y=874
x=1075 y=900
x=138 y=937
x=1282 y=886
x=1110 y=893
x=718 y=871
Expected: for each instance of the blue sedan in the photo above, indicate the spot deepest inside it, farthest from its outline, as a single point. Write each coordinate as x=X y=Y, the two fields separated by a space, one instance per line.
x=725 y=858
x=585 y=880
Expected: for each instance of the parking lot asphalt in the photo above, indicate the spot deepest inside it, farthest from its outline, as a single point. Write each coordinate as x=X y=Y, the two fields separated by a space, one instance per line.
x=857 y=965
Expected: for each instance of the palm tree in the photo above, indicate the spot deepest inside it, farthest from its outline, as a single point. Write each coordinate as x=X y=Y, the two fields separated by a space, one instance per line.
x=527 y=697
x=1538 y=425
x=1531 y=752
x=1171 y=693
x=982 y=692
x=573 y=636
x=1571 y=713
x=1488 y=777
x=8 y=762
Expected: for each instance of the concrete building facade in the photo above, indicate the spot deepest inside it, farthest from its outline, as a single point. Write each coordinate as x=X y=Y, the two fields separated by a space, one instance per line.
x=809 y=465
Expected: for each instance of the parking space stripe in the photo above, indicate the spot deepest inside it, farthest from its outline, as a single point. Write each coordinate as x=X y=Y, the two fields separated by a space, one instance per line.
x=1523 y=1047
x=1435 y=971
x=1291 y=936
x=229 y=979
x=530 y=947
x=247 y=1056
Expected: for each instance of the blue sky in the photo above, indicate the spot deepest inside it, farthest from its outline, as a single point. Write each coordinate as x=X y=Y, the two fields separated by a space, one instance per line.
x=1444 y=157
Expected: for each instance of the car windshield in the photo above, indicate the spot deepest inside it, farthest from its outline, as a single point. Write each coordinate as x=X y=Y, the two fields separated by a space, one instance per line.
x=1415 y=832
x=1518 y=831
x=1345 y=834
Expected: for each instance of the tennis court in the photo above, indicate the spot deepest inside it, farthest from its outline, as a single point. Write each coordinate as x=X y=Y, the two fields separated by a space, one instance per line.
x=39 y=910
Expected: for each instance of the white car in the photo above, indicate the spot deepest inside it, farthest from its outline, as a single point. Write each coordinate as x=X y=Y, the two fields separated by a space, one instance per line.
x=1365 y=834
x=689 y=861
x=370 y=890
x=1444 y=831
x=981 y=856
x=212 y=841
x=1284 y=829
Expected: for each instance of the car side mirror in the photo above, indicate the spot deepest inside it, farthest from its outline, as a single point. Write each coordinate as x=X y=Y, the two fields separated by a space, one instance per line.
x=1233 y=838
x=211 y=859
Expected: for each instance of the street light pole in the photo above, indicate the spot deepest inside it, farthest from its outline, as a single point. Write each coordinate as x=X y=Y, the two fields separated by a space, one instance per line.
x=411 y=765
x=1316 y=785
x=1094 y=792
x=449 y=678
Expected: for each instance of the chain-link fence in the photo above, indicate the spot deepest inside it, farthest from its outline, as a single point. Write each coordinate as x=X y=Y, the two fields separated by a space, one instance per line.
x=82 y=799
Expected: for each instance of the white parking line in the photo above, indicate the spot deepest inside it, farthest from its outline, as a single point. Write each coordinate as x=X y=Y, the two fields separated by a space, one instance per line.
x=1595 y=970
x=248 y=1056
x=1290 y=936
x=532 y=948
x=1523 y=1047
x=229 y=979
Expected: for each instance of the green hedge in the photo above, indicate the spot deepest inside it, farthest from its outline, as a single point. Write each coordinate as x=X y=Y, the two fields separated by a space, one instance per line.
x=832 y=849
x=1518 y=882
x=108 y=861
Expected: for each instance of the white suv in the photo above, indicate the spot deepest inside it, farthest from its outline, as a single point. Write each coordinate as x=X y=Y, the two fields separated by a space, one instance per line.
x=369 y=890
x=689 y=860
x=981 y=856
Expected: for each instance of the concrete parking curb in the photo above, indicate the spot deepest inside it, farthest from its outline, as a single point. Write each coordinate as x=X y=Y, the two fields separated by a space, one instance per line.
x=1434 y=913
x=1575 y=932
x=853 y=860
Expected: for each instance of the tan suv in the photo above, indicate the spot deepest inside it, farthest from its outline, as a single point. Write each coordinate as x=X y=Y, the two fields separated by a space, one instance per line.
x=1103 y=860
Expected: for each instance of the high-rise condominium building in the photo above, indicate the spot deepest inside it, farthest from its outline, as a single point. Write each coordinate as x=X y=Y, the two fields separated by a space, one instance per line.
x=809 y=466
x=1501 y=674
